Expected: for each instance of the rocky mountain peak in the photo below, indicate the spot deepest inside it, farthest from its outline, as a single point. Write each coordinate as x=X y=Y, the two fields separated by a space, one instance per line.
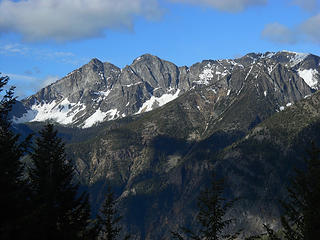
x=146 y=58
x=101 y=91
x=94 y=61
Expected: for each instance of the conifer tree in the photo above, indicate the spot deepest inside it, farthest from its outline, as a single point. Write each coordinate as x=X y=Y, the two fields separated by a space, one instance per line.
x=211 y=217
x=59 y=213
x=301 y=219
x=13 y=198
x=108 y=219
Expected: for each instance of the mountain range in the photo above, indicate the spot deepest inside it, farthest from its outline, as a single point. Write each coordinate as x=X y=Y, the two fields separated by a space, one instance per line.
x=155 y=132
x=101 y=91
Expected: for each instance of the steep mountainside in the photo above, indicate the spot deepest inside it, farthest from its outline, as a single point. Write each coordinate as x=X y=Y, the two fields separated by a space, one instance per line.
x=101 y=91
x=159 y=161
x=260 y=165
x=250 y=119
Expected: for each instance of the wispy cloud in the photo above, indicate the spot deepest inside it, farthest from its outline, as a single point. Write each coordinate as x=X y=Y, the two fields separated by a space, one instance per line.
x=310 y=28
x=279 y=33
x=20 y=49
x=226 y=5
x=41 y=54
x=34 y=70
x=20 y=77
x=38 y=20
x=26 y=84
x=306 y=31
x=14 y=48
x=308 y=5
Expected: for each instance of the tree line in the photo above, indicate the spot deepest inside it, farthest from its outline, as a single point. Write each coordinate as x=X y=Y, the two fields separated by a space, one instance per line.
x=41 y=200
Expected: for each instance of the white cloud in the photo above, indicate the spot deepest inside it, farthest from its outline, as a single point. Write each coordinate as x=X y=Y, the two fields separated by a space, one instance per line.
x=20 y=77
x=310 y=28
x=226 y=5
x=27 y=85
x=309 y=5
x=66 y=20
x=279 y=33
x=14 y=48
x=21 y=49
x=306 y=31
x=42 y=54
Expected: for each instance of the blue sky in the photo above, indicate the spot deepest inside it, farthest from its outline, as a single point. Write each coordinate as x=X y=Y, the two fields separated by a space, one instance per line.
x=43 y=40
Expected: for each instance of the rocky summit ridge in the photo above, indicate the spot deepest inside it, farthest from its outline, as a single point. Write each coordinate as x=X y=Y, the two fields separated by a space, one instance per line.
x=98 y=91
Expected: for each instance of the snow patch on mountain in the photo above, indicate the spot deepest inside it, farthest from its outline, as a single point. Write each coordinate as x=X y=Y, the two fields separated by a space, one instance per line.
x=100 y=116
x=233 y=63
x=102 y=93
x=62 y=112
x=134 y=84
x=248 y=74
x=102 y=96
x=101 y=75
x=309 y=76
x=270 y=69
x=269 y=55
x=158 y=101
x=296 y=57
x=113 y=114
x=206 y=75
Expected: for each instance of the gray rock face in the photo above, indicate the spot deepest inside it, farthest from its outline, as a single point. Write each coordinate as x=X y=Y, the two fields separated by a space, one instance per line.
x=81 y=83
x=100 y=91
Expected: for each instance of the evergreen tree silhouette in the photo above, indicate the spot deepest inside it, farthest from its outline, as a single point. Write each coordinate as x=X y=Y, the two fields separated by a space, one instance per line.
x=59 y=213
x=301 y=219
x=108 y=219
x=13 y=197
x=211 y=217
